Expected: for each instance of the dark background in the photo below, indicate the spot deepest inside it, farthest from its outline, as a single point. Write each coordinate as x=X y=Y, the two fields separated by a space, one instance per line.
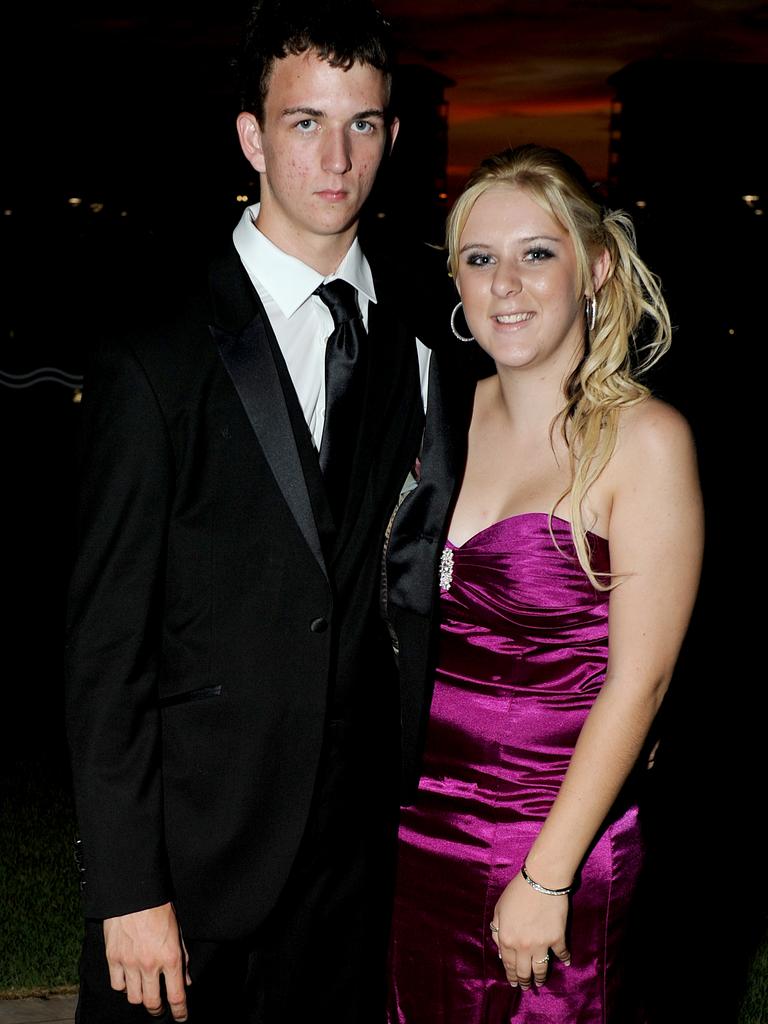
x=131 y=112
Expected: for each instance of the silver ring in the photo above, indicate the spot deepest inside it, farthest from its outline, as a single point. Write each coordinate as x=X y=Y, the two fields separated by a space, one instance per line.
x=544 y=961
x=493 y=928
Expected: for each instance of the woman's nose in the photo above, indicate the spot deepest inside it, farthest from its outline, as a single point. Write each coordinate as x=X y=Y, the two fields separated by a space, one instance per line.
x=506 y=281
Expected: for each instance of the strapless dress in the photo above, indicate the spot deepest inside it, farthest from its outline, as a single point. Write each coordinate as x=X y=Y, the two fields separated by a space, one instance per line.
x=522 y=657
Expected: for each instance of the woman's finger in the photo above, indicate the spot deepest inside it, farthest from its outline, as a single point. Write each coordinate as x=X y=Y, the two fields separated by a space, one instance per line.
x=509 y=962
x=523 y=964
x=562 y=953
x=540 y=964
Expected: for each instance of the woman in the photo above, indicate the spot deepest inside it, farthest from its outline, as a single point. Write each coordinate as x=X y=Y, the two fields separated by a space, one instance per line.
x=519 y=858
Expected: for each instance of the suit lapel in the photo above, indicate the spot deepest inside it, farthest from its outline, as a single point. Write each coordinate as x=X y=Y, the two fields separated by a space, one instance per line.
x=422 y=521
x=241 y=336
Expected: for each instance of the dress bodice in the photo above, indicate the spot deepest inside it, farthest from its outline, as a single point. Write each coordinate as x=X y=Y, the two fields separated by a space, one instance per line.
x=524 y=638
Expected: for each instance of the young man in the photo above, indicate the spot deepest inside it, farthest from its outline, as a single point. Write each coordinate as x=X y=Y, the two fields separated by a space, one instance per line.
x=232 y=703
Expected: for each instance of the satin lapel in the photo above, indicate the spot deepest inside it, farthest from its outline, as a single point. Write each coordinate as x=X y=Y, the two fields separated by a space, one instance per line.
x=248 y=359
x=422 y=521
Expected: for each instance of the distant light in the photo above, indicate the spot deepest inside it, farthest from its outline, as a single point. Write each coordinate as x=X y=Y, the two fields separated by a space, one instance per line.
x=442 y=195
x=7 y=213
x=758 y=213
x=641 y=203
x=731 y=330
x=77 y=395
x=381 y=215
x=96 y=207
x=75 y=201
x=750 y=200
x=241 y=199
x=123 y=213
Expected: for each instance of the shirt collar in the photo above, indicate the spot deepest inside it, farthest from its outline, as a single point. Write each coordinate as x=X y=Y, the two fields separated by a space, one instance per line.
x=289 y=281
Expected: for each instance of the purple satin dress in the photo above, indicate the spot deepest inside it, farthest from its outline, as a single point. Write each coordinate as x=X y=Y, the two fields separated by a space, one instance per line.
x=523 y=652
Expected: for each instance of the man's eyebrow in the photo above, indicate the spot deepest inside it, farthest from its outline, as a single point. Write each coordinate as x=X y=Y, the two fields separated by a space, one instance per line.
x=309 y=111
x=361 y=115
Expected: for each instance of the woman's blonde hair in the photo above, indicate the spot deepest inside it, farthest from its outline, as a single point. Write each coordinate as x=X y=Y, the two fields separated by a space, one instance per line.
x=631 y=330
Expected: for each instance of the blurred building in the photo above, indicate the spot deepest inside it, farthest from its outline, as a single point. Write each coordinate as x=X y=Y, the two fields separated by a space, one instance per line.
x=415 y=193
x=689 y=132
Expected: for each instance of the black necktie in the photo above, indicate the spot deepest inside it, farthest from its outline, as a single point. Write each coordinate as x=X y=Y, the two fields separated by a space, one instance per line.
x=346 y=356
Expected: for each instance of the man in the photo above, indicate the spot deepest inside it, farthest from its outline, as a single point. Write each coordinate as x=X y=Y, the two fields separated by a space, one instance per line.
x=231 y=700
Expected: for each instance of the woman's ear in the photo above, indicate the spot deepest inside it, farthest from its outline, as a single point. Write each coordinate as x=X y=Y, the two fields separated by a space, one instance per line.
x=601 y=267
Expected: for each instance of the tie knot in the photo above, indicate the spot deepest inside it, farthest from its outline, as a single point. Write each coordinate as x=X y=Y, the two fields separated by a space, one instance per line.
x=341 y=299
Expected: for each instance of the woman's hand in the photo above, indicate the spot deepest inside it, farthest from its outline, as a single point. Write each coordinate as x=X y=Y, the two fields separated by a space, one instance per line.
x=526 y=926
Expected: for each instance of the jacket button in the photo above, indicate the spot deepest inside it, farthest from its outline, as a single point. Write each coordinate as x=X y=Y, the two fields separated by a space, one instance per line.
x=318 y=625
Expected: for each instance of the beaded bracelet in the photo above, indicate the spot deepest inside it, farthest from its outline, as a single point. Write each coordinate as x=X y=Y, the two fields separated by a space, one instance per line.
x=542 y=888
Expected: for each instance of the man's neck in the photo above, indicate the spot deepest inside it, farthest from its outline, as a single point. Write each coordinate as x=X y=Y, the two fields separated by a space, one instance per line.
x=322 y=253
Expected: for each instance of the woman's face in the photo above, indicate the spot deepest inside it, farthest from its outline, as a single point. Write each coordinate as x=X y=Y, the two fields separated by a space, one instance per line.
x=519 y=282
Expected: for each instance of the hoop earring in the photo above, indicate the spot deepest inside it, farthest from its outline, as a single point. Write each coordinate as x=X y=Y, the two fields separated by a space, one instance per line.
x=456 y=334
x=590 y=309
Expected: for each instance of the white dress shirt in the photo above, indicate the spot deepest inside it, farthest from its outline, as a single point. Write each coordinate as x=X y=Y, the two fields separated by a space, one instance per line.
x=301 y=320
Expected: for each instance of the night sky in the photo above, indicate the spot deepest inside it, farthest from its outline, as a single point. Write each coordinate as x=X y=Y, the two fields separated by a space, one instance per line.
x=96 y=94
x=538 y=69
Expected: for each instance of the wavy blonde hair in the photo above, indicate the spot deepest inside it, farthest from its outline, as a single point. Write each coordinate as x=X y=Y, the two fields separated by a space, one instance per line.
x=632 y=327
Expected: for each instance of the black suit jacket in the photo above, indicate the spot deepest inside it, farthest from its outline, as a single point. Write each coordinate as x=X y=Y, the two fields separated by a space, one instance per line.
x=210 y=618
x=417 y=537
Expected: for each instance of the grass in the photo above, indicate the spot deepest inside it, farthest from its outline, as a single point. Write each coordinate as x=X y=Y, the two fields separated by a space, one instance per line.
x=40 y=917
x=754 y=1008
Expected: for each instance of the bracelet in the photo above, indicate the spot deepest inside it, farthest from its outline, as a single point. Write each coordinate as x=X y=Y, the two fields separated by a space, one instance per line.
x=542 y=888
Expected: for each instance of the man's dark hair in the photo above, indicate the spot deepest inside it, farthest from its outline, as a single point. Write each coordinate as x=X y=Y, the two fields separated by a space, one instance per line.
x=342 y=32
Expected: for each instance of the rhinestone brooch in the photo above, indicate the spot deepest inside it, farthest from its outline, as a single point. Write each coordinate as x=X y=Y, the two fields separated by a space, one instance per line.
x=446 y=569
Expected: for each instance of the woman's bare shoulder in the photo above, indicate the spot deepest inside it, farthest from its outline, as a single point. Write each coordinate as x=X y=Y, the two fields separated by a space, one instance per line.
x=653 y=431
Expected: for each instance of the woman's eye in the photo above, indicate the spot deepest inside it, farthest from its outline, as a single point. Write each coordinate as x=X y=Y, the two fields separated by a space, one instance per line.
x=538 y=255
x=479 y=259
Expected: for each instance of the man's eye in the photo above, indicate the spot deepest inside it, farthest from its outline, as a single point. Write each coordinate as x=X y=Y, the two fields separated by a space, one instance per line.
x=306 y=124
x=364 y=127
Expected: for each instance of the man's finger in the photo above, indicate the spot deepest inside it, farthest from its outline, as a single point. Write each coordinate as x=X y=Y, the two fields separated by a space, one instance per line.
x=175 y=993
x=117 y=977
x=133 y=985
x=185 y=956
x=150 y=993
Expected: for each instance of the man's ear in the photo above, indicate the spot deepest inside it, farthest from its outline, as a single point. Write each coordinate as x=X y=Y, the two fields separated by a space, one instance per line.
x=394 y=128
x=249 y=133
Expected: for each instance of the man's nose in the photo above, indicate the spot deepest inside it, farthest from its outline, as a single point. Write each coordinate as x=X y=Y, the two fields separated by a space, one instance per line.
x=336 y=153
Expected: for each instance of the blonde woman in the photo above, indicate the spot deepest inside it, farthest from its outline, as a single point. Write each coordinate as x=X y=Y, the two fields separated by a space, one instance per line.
x=566 y=586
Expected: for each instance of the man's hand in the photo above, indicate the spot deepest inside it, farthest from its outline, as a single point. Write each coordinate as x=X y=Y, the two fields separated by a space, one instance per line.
x=141 y=947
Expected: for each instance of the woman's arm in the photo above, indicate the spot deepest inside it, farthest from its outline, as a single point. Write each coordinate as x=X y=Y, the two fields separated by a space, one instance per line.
x=655 y=536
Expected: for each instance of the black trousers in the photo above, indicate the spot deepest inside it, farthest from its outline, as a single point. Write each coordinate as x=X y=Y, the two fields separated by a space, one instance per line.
x=321 y=953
